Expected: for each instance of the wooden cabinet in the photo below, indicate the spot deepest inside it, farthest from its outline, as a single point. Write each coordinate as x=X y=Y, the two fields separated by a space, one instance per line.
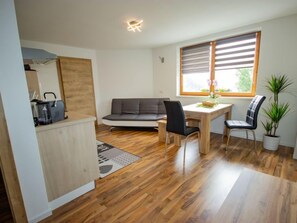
x=33 y=83
x=68 y=152
x=77 y=87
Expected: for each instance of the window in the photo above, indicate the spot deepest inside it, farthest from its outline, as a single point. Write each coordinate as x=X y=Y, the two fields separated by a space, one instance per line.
x=227 y=66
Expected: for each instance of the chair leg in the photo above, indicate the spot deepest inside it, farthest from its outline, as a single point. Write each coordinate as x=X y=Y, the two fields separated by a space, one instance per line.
x=185 y=147
x=247 y=136
x=228 y=139
x=254 y=140
x=166 y=143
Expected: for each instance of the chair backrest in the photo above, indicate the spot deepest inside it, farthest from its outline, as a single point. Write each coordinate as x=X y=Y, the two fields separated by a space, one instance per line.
x=253 y=110
x=176 y=122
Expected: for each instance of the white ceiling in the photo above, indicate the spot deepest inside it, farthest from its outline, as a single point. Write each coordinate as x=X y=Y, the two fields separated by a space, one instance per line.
x=101 y=24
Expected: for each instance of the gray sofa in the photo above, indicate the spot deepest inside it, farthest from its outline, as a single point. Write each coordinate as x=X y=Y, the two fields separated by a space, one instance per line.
x=136 y=112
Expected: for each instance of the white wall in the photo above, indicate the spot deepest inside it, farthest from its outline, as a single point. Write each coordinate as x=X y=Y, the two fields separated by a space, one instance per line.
x=124 y=74
x=17 y=109
x=67 y=51
x=277 y=56
x=48 y=79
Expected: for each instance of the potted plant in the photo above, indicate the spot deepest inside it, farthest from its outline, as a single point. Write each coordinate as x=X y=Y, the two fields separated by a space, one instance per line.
x=275 y=111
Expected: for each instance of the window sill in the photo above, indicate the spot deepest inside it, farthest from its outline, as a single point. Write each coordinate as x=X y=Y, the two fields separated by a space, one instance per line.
x=222 y=97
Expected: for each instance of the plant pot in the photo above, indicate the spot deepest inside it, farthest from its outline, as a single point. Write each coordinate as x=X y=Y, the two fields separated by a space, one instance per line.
x=271 y=142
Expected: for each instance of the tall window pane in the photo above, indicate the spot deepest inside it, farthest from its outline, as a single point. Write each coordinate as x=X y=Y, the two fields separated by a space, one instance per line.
x=196 y=82
x=234 y=80
x=234 y=62
x=227 y=66
x=195 y=68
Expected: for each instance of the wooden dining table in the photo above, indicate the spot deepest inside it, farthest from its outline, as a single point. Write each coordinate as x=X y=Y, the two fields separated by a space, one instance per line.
x=203 y=116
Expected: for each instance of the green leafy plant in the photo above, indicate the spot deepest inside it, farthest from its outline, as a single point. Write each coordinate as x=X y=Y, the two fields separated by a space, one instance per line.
x=244 y=83
x=276 y=110
x=223 y=90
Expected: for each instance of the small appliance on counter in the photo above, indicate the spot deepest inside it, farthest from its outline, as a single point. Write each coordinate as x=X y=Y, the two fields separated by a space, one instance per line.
x=49 y=111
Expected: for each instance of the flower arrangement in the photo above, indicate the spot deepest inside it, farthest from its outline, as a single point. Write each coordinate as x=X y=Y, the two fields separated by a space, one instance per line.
x=214 y=95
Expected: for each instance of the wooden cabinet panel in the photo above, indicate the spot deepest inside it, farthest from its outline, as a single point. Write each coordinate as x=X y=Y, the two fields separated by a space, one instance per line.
x=76 y=79
x=69 y=155
x=33 y=83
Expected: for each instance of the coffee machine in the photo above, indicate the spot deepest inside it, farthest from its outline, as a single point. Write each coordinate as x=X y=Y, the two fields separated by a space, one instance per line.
x=49 y=111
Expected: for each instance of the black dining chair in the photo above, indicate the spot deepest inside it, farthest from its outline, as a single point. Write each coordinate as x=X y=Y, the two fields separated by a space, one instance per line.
x=250 y=123
x=176 y=123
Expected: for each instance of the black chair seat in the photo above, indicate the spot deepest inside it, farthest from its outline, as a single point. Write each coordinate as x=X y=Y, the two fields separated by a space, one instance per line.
x=235 y=124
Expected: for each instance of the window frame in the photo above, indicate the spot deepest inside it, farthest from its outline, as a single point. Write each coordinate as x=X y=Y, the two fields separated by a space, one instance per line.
x=212 y=69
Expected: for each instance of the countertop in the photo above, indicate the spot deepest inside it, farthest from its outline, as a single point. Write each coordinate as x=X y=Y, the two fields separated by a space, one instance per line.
x=73 y=119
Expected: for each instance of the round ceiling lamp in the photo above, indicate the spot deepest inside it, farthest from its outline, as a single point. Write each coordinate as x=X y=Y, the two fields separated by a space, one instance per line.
x=134 y=25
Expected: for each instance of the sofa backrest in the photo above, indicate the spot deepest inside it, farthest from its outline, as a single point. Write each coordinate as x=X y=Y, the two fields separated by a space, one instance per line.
x=138 y=105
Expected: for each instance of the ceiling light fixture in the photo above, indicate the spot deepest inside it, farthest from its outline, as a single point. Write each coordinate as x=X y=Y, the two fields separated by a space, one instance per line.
x=134 y=25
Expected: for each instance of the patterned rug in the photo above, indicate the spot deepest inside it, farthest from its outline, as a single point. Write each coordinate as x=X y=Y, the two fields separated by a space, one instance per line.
x=112 y=159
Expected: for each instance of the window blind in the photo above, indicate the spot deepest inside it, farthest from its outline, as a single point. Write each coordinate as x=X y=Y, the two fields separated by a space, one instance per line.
x=235 y=52
x=195 y=59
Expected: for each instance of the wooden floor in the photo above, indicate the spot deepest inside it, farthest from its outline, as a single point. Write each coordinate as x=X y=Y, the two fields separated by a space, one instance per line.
x=158 y=189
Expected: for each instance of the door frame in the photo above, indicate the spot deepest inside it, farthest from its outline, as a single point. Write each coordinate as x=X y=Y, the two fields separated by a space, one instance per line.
x=9 y=172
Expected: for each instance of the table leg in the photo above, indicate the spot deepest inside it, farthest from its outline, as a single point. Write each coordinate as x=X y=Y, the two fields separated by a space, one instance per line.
x=177 y=139
x=205 y=134
x=162 y=131
x=227 y=117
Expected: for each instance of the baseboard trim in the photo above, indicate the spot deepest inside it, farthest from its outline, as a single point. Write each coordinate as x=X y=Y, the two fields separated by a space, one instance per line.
x=241 y=134
x=40 y=217
x=71 y=195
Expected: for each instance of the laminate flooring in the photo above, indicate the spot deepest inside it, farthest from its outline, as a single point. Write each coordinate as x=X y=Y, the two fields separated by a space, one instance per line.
x=166 y=189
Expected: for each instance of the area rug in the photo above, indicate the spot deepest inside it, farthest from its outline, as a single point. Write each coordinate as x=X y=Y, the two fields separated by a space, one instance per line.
x=112 y=159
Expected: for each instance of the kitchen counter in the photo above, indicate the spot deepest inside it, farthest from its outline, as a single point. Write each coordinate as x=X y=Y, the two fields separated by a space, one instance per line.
x=68 y=154
x=73 y=119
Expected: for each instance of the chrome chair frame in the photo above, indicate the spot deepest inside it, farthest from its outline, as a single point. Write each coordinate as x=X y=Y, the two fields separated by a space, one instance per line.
x=186 y=140
x=247 y=136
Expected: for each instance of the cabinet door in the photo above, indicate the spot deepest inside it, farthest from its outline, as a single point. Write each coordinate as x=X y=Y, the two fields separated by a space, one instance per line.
x=77 y=87
x=33 y=84
x=69 y=157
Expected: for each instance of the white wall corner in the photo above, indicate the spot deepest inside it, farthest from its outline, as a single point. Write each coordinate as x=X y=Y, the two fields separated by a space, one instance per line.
x=18 y=115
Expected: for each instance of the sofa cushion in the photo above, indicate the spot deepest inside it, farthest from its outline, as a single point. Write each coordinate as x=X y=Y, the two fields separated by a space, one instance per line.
x=134 y=117
x=116 y=106
x=138 y=106
x=161 y=105
x=149 y=106
x=130 y=106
